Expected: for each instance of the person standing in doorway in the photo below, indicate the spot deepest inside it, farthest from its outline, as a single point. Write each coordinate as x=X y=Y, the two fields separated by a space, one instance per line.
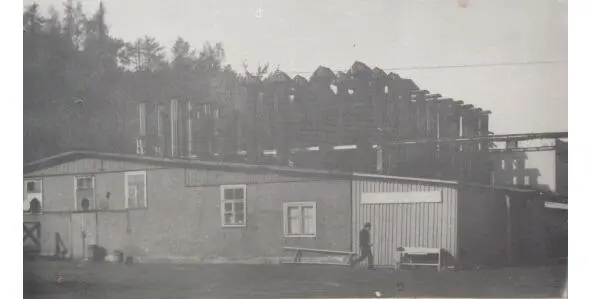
x=365 y=246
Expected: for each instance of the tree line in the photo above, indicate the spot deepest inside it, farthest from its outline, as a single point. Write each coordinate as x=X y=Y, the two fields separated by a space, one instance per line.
x=82 y=84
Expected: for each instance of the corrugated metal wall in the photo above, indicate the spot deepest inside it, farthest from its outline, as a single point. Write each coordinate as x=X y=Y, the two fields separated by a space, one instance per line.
x=413 y=225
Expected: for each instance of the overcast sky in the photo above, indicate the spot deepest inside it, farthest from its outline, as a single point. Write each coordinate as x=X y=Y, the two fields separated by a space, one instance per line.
x=300 y=35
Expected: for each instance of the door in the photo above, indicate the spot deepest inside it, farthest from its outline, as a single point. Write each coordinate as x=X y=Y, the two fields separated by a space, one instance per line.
x=84 y=233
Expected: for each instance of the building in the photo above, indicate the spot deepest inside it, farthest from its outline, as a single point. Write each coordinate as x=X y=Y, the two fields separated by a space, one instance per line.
x=545 y=168
x=362 y=108
x=160 y=208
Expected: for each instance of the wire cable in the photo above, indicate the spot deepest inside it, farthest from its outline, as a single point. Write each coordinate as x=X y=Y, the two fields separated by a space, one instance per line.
x=459 y=66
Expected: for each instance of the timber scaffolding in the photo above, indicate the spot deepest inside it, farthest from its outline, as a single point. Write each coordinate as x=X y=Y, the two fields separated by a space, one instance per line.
x=362 y=120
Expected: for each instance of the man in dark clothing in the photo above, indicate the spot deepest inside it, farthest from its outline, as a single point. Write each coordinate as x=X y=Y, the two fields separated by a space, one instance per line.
x=365 y=247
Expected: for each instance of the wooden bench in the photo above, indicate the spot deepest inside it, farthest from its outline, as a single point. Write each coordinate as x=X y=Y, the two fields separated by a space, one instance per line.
x=409 y=252
x=299 y=252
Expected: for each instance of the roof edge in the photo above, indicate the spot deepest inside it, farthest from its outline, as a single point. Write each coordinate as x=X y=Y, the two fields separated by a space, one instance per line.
x=186 y=163
x=391 y=177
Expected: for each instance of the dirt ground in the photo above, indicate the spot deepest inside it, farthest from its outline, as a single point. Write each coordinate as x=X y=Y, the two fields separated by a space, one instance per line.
x=59 y=279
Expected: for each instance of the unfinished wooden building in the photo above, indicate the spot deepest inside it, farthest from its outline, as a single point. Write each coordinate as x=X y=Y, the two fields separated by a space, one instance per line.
x=341 y=121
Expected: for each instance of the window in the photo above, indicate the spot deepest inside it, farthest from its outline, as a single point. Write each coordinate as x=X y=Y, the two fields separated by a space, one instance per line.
x=135 y=188
x=502 y=164
x=233 y=206
x=85 y=196
x=514 y=180
x=526 y=180
x=299 y=219
x=33 y=197
x=515 y=164
x=216 y=113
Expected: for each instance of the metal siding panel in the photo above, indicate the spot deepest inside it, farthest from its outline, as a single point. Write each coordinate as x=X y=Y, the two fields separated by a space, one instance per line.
x=386 y=245
x=354 y=206
x=428 y=222
x=430 y=225
x=436 y=222
x=421 y=224
x=413 y=223
x=358 y=215
x=407 y=217
x=454 y=235
x=445 y=225
x=390 y=235
x=423 y=219
x=420 y=219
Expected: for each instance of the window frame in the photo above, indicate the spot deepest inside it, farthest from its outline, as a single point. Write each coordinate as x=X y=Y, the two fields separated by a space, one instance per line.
x=93 y=203
x=223 y=201
x=300 y=205
x=26 y=193
x=126 y=182
x=514 y=164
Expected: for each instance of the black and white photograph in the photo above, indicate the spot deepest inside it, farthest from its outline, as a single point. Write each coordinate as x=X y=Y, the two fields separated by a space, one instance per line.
x=293 y=149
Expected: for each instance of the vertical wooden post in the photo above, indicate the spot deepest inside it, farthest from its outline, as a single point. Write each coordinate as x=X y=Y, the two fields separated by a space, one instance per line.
x=438 y=135
x=174 y=127
x=238 y=118
x=181 y=127
x=71 y=235
x=96 y=223
x=160 y=147
x=189 y=128
x=141 y=140
x=142 y=116
x=380 y=159
x=379 y=99
x=253 y=90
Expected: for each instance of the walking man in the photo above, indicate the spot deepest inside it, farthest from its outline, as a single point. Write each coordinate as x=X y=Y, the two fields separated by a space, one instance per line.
x=365 y=247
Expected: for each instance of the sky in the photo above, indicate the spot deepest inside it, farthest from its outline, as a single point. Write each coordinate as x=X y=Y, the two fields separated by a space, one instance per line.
x=501 y=43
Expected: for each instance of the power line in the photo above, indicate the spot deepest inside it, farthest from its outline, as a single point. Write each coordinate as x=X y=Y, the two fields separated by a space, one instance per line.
x=459 y=66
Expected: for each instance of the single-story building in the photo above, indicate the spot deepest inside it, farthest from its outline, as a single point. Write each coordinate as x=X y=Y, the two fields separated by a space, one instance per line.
x=161 y=208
